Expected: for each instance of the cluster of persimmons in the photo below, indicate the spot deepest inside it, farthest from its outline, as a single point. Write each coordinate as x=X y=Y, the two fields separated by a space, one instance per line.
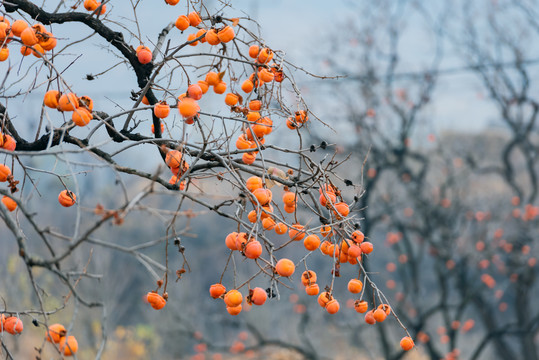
x=251 y=110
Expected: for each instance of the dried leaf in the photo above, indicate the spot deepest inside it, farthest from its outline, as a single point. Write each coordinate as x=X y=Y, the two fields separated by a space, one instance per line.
x=235 y=21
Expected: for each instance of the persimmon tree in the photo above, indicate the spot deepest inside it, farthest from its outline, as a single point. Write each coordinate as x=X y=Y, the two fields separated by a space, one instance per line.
x=457 y=210
x=215 y=124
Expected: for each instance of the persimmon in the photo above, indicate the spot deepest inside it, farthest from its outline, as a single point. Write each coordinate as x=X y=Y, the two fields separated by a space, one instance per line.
x=324 y=298
x=226 y=34
x=172 y=2
x=230 y=241
x=241 y=240
x=291 y=123
x=87 y=102
x=253 y=249
x=268 y=223
x=263 y=196
x=216 y=290
x=255 y=105
x=174 y=181
x=280 y=228
x=332 y=306
x=253 y=51
x=145 y=100
x=252 y=216
x=204 y=86
x=285 y=267
x=233 y=298
x=161 y=110
x=234 y=310
x=55 y=333
x=344 y=246
x=144 y=54
x=358 y=236
x=342 y=208
x=257 y=296
x=326 y=198
x=301 y=116
x=212 y=38
x=191 y=38
x=67 y=198
x=253 y=116
x=354 y=251
x=18 y=27
x=188 y=108
x=231 y=99
x=248 y=158
x=9 y=203
x=90 y=5
x=155 y=300
x=386 y=308
x=265 y=75
x=69 y=345
x=4 y=172
x=361 y=306
x=194 y=91
x=4 y=53
x=194 y=18
x=308 y=277
x=324 y=247
x=13 y=325
x=9 y=143
x=220 y=87
x=182 y=22
x=311 y=242
x=289 y=198
x=355 y=286
x=243 y=144
x=325 y=230
x=81 y=116
x=379 y=315
x=296 y=232
x=47 y=41
x=28 y=37
x=366 y=247
x=202 y=35
x=312 y=289
x=212 y=78
x=265 y=56
x=253 y=183
x=247 y=86
x=68 y=102
x=369 y=317
x=407 y=343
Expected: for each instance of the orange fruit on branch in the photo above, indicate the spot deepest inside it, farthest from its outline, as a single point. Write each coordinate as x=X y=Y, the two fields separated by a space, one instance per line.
x=67 y=198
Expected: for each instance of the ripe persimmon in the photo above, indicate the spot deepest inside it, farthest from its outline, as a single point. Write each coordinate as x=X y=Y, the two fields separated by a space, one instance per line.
x=355 y=286
x=230 y=240
x=280 y=228
x=285 y=267
x=67 y=198
x=231 y=99
x=233 y=298
x=4 y=172
x=407 y=343
x=379 y=315
x=69 y=345
x=253 y=249
x=161 y=110
x=312 y=290
x=332 y=306
x=155 y=300
x=9 y=203
x=68 y=102
x=366 y=247
x=81 y=116
x=226 y=34
x=311 y=242
x=188 y=108
x=55 y=333
x=308 y=277
x=296 y=232
x=361 y=306
x=182 y=22
x=324 y=298
x=234 y=310
x=13 y=325
x=216 y=290
x=253 y=51
x=257 y=296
